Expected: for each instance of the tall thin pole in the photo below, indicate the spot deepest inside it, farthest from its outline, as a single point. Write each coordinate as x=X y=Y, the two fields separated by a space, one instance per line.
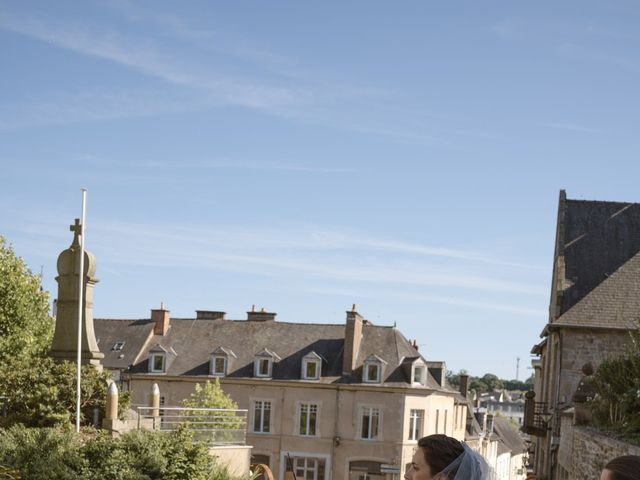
x=80 y=305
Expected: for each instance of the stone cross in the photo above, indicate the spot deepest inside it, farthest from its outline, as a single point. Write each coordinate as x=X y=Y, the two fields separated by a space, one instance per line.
x=76 y=228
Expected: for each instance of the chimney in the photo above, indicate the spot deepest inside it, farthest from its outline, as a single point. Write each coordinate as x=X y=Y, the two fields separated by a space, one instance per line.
x=209 y=315
x=352 y=339
x=261 y=316
x=464 y=384
x=489 y=423
x=161 y=319
x=414 y=344
x=437 y=371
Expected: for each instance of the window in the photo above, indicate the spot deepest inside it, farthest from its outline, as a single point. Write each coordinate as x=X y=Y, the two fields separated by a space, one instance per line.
x=418 y=375
x=308 y=419
x=263 y=364
x=262 y=416
x=157 y=362
x=264 y=367
x=307 y=468
x=311 y=366
x=219 y=366
x=415 y=424
x=369 y=422
x=372 y=369
x=445 y=422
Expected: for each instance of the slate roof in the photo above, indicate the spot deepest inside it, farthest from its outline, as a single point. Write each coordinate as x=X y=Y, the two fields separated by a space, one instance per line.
x=134 y=334
x=193 y=340
x=596 y=238
x=509 y=435
x=614 y=303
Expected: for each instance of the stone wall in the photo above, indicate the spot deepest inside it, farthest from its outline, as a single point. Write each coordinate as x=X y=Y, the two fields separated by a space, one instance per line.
x=592 y=450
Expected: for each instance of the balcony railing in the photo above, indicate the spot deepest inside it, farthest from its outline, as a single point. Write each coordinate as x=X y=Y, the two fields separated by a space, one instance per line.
x=536 y=417
x=212 y=426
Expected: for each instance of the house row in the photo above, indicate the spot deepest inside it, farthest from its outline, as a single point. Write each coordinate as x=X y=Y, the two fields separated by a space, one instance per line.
x=332 y=401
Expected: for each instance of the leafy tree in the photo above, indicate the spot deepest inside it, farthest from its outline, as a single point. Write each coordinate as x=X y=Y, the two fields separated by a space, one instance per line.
x=221 y=425
x=45 y=453
x=26 y=328
x=42 y=392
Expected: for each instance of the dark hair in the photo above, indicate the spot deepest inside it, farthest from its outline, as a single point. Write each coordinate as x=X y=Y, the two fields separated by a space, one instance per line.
x=439 y=451
x=626 y=467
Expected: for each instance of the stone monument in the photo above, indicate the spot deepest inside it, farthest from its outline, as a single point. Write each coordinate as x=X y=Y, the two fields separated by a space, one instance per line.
x=65 y=338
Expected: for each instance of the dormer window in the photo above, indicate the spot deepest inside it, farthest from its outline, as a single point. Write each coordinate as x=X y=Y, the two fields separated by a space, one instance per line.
x=311 y=366
x=220 y=359
x=372 y=370
x=418 y=373
x=117 y=346
x=157 y=359
x=263 y=363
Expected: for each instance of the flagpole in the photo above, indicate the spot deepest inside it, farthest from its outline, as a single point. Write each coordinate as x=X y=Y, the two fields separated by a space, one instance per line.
x=80 y=305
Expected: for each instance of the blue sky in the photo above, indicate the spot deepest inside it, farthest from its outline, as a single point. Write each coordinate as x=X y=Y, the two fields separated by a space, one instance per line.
x=304 y=157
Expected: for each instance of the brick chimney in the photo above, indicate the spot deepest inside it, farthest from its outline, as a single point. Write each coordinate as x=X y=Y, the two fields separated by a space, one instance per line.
x=261 y=316
x=489 y=423
x=161 y=319
x=352 y=339
x=464 y=384
x=209 y=315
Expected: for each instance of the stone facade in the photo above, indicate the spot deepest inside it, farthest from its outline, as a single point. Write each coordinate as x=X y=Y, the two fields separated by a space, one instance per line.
x=592 y=450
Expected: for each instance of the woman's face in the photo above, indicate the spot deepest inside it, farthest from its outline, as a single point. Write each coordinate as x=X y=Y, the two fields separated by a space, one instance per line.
x=420 y=469
x=606 y=475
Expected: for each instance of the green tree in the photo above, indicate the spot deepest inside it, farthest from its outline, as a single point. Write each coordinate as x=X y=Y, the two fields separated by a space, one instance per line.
x=26 y=328
x=213 y=425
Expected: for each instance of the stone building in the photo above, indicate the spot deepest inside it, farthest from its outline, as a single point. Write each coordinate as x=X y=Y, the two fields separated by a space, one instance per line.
x=342 y=400
x=595 y=302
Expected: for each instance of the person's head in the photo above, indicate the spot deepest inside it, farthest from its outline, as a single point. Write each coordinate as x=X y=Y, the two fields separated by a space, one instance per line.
x=626 y=467
x=432 y=456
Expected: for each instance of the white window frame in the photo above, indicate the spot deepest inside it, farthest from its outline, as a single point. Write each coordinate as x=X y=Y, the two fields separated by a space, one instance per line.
x=306 y=455
x=422 y=368
x=262 y=402
x=310 y=405
x=370 y=410
x=308 y=361
x=152 y=362
x=366 y=376
x=416 y=423
x=257 y=363
x=224 y=368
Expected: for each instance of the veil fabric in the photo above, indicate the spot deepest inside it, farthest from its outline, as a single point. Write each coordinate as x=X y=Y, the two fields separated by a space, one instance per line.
x=468 y=466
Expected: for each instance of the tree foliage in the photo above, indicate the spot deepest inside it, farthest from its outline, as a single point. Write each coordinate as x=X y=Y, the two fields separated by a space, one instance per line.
x=616 y=381
x=39 y=391
x=26 y=328
x=45 y=453
x=490 y=382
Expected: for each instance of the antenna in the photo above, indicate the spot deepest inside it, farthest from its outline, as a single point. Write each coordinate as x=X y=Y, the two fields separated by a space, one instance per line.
x=517 y=367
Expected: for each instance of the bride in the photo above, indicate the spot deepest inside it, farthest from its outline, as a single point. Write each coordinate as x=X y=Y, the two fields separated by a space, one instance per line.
x=439 y=457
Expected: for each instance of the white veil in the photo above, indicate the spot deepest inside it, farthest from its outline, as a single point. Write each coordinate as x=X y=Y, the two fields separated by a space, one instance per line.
x=468 y=466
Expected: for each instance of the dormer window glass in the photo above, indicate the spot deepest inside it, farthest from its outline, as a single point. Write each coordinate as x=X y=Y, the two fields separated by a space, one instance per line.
x=264 y=367
x=372 y=369
x=311 y=366
x=219 y=365
x=372 y=372
x=157 y=362
x=418 y=374
x=220 y=361
x=263 y=363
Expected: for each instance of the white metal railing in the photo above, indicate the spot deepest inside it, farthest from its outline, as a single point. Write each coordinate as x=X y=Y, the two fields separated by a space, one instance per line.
x=213 y=426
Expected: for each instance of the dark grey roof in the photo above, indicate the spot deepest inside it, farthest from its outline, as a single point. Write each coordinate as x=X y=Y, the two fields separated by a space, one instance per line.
x=134 y=334
x=596 y=239
x=509 y=434
x=614 y=303
x=192 y=342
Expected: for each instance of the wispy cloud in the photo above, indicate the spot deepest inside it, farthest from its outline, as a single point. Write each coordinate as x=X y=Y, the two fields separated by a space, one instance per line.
x=148 y=56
